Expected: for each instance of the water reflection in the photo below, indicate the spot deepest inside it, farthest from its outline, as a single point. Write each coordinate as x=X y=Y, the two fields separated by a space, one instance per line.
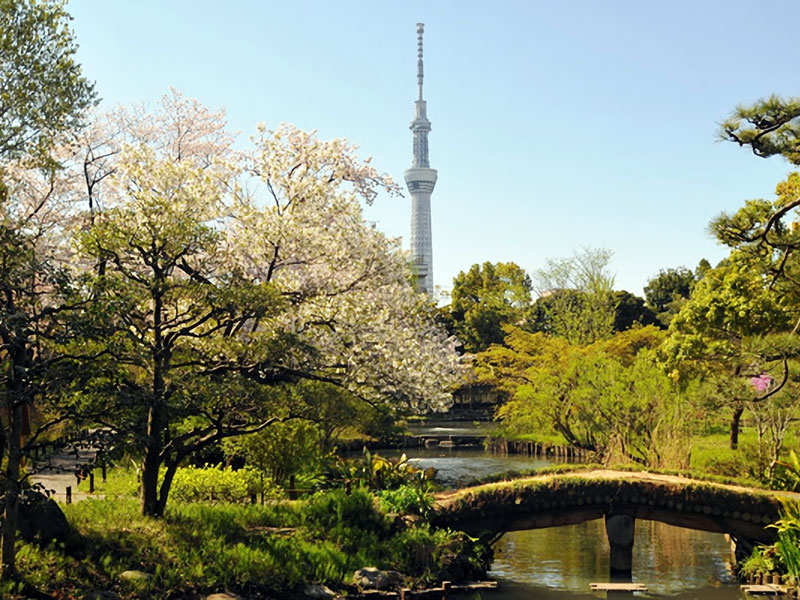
x=561 y=562
x=451 y=428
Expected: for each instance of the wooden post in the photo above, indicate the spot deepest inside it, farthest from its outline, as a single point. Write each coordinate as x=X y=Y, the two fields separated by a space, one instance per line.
x=405 y=594
x=69 y=494
x=445 y=589
x=91 y=482
x=103 y=469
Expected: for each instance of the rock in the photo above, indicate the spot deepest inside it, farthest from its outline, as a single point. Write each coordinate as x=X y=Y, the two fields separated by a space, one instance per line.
x=316 y=590
x=224 y=596
x=136 y=578
x=371 y=578
x=40 y=518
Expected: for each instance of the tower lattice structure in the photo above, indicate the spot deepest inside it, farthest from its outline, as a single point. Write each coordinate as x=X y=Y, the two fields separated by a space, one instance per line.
x=420 y=180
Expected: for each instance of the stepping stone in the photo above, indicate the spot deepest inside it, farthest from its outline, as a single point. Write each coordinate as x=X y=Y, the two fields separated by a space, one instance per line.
x=618 y=587
x=764 y=590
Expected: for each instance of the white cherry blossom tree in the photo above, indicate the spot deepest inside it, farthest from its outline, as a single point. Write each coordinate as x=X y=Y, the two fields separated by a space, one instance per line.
x=227 y=274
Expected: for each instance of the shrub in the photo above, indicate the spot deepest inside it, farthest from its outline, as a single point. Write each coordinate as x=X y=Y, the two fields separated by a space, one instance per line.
x=432 y=555
x=280 y=451
x=378 y=473
x=352 y=520
x=764 y=559
x=219 y=484
x=407 y=500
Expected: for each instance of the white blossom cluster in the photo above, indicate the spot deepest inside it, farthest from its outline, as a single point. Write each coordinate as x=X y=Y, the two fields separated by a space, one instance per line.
x=282 y=223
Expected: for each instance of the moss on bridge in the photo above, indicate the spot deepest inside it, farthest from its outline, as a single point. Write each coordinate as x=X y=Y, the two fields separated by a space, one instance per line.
x=558 y=499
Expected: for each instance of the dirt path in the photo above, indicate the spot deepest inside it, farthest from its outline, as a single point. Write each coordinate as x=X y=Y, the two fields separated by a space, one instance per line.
x=58 y=473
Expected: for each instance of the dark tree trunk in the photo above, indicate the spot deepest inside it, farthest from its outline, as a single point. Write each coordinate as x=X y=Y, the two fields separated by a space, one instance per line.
x=15 y=390
x=151 y=464
x=735 y=421
x=166 y=485
x=156 y=420
x=8 y=536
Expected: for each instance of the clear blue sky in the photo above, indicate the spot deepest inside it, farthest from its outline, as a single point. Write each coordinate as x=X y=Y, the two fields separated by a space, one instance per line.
x=556 y=125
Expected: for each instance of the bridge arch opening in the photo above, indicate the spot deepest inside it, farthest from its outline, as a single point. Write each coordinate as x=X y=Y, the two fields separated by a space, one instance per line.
x=667 y=558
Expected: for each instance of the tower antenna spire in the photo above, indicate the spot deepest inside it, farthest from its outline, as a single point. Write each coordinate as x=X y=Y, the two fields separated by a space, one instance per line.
x=420 y=73
x=421 y=179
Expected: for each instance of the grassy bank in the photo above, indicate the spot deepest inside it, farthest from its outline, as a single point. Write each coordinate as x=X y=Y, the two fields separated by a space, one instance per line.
x=268 y=551
x=709 y=457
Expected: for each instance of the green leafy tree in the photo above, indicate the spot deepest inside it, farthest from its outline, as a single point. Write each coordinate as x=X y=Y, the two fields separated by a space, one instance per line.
x=331 y=408
x=768 y=234
x=669 y=283
x=42 y=99
x=667 y=291
x=281 y=451
x=609 y=397
x=702 y=268
x=576 y=297
x=42 y=91
x=763 y=232
x=630 y=310
x=484 y=299
x=729 y=332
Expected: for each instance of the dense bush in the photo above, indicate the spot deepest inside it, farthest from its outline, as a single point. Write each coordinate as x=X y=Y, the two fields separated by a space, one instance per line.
x=218 y=484
x=351 y=520
x=439 y=555
x=280 y=451
x=407 y=500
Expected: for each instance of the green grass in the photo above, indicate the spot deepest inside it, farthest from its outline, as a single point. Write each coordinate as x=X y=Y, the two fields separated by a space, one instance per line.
x=120 y=481
x=196 y=549
x=256 y=551
x=712 y=454
x=710 y=459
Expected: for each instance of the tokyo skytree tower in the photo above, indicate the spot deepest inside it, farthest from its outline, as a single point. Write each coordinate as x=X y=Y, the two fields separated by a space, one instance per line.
x=421 y=179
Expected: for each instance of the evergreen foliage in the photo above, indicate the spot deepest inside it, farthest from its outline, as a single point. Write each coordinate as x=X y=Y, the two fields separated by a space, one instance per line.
x=484 y=299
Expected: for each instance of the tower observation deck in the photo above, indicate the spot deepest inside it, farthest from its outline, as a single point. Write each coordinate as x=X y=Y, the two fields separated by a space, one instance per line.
x=420 y=180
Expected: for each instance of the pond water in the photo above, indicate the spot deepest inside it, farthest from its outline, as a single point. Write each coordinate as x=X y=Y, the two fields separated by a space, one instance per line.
x=559 y=563
x=456 y=467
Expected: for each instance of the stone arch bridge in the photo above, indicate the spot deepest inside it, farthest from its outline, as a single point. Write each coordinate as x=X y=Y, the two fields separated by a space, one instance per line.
x=620 y=497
